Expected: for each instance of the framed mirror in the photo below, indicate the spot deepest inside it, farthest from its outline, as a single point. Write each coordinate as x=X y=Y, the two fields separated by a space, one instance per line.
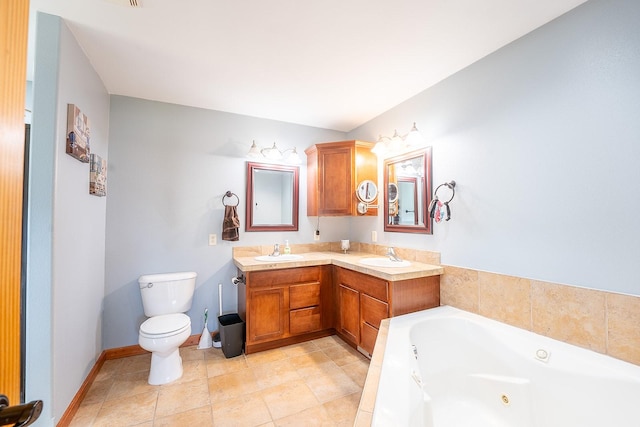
x=407 y=185
x=272 y=197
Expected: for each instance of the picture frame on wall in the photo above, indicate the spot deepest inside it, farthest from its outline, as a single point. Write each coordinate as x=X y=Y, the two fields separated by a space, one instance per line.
x=78 y=134
x=97 y=176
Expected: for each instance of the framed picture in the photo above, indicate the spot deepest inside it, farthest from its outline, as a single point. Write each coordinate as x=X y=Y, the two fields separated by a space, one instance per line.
x=78 y=134
x=97 y=176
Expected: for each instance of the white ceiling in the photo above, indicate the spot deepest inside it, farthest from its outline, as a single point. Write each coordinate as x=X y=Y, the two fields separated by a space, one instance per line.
x=333 y=64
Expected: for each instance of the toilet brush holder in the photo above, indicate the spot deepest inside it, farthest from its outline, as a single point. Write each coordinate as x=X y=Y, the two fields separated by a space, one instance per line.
x=205 y=339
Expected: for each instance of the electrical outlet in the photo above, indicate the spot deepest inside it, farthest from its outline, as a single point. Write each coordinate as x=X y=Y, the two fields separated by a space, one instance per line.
x=374 y=236
x=316 y=235
x=213 y=239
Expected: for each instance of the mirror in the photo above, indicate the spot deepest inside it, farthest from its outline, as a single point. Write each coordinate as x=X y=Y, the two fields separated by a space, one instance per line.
x=407 y=184
x=272 y=197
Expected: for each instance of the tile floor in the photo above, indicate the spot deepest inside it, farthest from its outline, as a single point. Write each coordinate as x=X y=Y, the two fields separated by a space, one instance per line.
x=314 y=383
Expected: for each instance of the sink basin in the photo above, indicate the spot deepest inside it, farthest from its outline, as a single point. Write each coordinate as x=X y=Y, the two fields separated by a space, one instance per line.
x=384 y=262
x=280 y=258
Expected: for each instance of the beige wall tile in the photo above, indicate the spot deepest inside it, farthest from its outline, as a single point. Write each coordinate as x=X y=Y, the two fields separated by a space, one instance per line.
x=623 y=318
x=569 y=314
x=459 y=288
x=428 y=257
x=505 y=299
x=242 y=251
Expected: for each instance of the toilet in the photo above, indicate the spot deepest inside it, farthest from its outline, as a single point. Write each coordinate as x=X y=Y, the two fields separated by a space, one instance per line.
x=165 y=299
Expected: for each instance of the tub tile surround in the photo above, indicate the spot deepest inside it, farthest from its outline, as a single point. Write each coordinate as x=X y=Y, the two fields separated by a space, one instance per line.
x=601 y=321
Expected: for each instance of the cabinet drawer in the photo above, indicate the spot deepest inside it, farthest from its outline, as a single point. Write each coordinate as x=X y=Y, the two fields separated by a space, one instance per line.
x=284 y=277
x=305 y=320
x=369 y=285
x=368 y=336
x=304 y=295
x=373 y=310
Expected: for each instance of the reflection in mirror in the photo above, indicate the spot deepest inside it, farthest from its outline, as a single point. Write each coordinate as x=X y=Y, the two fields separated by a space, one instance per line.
x=272 y=197
x=408 y=192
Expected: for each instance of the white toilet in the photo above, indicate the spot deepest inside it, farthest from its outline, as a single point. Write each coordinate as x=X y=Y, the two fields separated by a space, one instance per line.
x=165 y=298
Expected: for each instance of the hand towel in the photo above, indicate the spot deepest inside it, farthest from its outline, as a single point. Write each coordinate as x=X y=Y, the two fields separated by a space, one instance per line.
x=230 y=224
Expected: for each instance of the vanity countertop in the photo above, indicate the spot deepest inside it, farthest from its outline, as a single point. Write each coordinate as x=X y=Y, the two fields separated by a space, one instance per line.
x=350 y=261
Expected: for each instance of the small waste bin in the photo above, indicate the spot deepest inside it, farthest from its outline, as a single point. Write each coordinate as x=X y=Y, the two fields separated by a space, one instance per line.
x=231 y=334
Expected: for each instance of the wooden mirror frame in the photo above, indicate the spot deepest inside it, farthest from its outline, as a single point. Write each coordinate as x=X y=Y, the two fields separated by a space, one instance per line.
x=251 y=168
x=427 y=226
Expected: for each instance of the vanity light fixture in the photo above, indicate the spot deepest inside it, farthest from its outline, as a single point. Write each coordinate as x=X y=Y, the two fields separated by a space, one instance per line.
x=397 y=142
x=290 y=155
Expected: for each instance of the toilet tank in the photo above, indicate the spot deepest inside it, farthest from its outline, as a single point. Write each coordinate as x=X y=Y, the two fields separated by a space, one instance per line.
x=167 y=293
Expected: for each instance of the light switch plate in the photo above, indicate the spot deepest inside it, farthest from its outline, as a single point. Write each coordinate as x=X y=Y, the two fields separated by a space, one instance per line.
x=374 y=236
x=213 y=239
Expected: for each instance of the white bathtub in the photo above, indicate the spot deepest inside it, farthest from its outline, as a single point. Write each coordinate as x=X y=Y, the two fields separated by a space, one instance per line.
x=446 y=367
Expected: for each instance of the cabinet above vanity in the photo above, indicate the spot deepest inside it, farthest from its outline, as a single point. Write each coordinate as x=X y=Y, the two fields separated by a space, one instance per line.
x=335 y=170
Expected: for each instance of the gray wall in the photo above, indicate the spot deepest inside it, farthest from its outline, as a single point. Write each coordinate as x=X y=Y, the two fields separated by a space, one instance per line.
x=169 y=167
x=542 y=138
x=66 y=247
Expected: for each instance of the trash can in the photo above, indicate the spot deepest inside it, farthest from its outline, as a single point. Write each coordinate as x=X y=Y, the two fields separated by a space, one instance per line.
x=231 y=334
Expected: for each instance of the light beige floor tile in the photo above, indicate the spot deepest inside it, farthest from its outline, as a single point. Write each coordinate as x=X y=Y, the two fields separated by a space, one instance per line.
x=316 y=416
x=311 y=363
x=248 y=410
x=98 y=391
x=298 y=349
x=357 y=371
x=182 y=397
x=343 y=355
x=344 y=409
x=330 y=384
x=192 y=370
x=130 y=384
x=127 y=411
x=329 y=341
x=223 y=366
x=216 y=353
x=85 y=415
x=191 y=353
x=109 y=369
x=288 y=399
x=275 y=373
x=265 y=356
x=232 y=385
x=131 y=364
x=200 y=417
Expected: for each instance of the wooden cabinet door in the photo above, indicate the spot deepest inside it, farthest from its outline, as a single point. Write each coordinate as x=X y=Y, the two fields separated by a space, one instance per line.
x=372 y=311
x=349 y=313
x=335 y=186
x=268 y=314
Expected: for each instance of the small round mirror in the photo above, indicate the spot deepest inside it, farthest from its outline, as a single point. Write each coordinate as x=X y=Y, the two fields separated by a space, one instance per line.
x=367 y=191
x=393 y=192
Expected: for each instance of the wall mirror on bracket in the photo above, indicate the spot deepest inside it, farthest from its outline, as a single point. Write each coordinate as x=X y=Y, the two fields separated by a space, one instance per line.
x=407 y=187
x=272 y=197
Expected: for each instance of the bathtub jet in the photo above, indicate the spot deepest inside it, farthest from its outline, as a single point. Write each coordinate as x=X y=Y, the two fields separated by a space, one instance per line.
x=445 y=367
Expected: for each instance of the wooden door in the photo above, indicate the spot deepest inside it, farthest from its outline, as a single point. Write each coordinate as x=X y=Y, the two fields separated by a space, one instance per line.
x=268 y=314
x=14 y=17
x=349 y=315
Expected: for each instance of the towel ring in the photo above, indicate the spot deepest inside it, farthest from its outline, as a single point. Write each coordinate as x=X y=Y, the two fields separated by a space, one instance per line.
x=230 y=194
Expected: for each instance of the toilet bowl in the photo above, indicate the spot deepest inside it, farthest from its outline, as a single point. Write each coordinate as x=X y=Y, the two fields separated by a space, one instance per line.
x=162 y=336
x=165 y=299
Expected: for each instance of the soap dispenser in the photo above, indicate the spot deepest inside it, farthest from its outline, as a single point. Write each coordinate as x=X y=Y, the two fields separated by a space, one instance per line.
x=287 y=249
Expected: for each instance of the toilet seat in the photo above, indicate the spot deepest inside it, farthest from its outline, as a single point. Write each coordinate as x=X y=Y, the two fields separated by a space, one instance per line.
x=165 y=325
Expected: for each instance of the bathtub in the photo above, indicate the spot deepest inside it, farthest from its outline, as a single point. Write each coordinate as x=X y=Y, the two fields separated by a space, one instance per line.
x=446 y=367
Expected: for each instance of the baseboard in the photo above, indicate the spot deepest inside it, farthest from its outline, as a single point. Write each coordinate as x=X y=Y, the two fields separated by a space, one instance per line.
x=66 y=418
x=109 y=354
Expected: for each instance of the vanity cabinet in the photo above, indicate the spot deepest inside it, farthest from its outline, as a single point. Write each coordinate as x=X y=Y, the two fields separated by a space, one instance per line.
x=285 y=306
x=334 y=170
x=362 y=301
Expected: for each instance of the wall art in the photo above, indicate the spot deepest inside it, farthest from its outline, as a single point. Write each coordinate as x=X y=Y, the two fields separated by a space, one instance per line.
x=78 y=134
x=97 y=176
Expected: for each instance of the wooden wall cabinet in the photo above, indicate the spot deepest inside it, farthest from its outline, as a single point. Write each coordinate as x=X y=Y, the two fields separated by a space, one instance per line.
x=362 y=301
x=282 y=307
x=334 y=170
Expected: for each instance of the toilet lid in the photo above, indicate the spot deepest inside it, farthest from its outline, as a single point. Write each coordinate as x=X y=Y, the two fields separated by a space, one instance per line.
x=165 y=324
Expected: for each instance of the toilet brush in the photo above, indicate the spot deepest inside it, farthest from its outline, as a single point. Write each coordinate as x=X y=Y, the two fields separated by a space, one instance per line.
x=205 y=339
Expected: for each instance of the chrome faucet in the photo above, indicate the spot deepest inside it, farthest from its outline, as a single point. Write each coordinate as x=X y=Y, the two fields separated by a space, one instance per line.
x=392 y=255
x=276 y=250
